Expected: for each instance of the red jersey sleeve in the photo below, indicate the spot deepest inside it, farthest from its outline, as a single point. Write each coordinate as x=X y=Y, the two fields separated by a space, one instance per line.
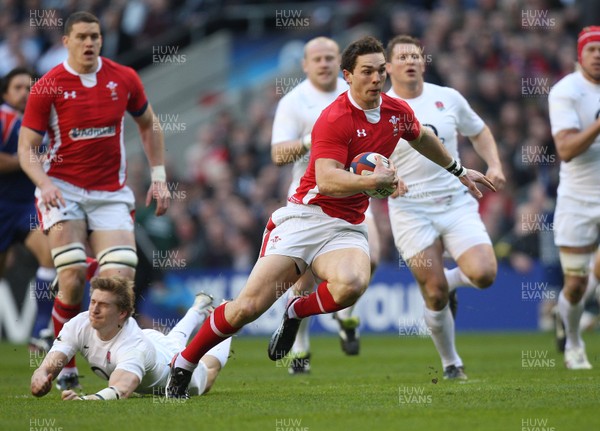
x=330 y=137
x=138 y=101
x=39 y=104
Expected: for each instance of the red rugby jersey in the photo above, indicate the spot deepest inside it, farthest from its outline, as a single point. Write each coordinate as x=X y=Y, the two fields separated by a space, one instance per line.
x=343 y=131
x=84 y=115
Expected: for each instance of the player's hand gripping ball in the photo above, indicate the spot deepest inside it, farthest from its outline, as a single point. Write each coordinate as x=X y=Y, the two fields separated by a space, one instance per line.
x=364 y=164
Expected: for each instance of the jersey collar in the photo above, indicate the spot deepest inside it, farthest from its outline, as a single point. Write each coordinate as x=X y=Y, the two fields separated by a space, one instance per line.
x=372 y=115
x=87 y=79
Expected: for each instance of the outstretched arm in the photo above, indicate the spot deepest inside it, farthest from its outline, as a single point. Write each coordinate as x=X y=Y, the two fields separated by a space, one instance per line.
x=430 y=146
x=41 y=380
x=486 y=147
x=120 y=385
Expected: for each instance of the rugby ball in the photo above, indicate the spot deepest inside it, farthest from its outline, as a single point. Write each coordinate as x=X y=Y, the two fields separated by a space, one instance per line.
x=364 y=164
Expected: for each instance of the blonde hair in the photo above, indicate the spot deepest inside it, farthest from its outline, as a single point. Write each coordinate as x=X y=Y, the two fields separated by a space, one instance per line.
x=121 y=287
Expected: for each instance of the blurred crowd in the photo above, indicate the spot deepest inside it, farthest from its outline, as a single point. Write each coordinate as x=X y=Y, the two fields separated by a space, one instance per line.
x=502 y=55
x=31 y=30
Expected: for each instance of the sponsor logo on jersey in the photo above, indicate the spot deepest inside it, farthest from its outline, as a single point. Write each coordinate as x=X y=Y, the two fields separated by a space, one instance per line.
x=70 y=94
x=361 y=133
x=92 y=132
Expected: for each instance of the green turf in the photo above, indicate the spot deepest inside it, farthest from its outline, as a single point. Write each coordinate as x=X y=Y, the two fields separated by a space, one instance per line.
x=389 y=386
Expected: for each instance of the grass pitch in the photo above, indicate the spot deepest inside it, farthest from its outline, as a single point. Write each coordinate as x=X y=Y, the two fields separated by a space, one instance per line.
x=517 y=382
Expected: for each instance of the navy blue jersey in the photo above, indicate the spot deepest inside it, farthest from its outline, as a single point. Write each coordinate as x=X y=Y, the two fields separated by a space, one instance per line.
x=14 y=186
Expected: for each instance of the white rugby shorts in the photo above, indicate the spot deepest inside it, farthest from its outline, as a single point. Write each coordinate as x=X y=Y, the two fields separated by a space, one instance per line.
x=102 y=210
x=455 y=218
x=306 y=232
x=166 y=348
x=576 y=221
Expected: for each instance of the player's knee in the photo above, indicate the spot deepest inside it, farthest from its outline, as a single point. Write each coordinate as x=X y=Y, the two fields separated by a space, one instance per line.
x=484 y=276
x=119 y=259
x=68 y=257
x=435 y=294
x=574 y=288
x=347 y=291
x=437 y=301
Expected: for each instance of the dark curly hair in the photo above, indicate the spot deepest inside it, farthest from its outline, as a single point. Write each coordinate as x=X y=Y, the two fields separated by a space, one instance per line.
x=365 y=45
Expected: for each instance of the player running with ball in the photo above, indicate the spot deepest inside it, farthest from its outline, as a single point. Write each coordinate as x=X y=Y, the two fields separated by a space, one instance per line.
x=294 y=119
x=324 y=229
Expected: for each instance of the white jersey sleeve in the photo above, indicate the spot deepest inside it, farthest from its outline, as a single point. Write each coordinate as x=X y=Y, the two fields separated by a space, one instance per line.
x=574 y=103
x=70 y=338
x=561 y=107
x=468 y=122
x=296 y=115
x=286 y=124
x=132 y=360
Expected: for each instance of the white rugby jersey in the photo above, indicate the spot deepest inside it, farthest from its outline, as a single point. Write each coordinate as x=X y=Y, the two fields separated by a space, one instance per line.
x=446 y=112
x=574 y=103
x=295 y=116
x=130 y=350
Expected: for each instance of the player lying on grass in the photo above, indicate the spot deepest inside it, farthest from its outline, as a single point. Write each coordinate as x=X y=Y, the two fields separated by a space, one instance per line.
x=131 y=359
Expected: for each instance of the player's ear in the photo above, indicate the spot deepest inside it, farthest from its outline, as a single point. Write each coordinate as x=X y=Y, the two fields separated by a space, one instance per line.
x=65 y=39
x=347 y=76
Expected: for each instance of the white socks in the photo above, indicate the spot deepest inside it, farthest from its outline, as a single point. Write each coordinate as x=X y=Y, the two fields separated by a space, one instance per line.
x=181 y=362
x=570 y=315
x=185 y=327
x=346 y=313
x=302 y=341
x=441 y=325
x=456 y=278
x=220 y=351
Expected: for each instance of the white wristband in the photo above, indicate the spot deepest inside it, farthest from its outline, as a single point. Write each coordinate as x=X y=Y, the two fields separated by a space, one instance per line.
x=455 y=168
x=158 y=174
x=110 y=393
x=306 y=141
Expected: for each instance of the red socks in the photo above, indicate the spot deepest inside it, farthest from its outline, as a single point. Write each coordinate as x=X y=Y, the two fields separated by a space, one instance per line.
x=61 y=314
x=318 y=302
x=214 y=330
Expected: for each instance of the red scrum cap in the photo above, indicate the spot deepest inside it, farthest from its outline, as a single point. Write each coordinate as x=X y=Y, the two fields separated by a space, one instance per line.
x=587 y=35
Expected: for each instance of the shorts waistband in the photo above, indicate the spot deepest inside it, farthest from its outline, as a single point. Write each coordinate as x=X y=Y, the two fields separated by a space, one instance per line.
x=314 y=209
